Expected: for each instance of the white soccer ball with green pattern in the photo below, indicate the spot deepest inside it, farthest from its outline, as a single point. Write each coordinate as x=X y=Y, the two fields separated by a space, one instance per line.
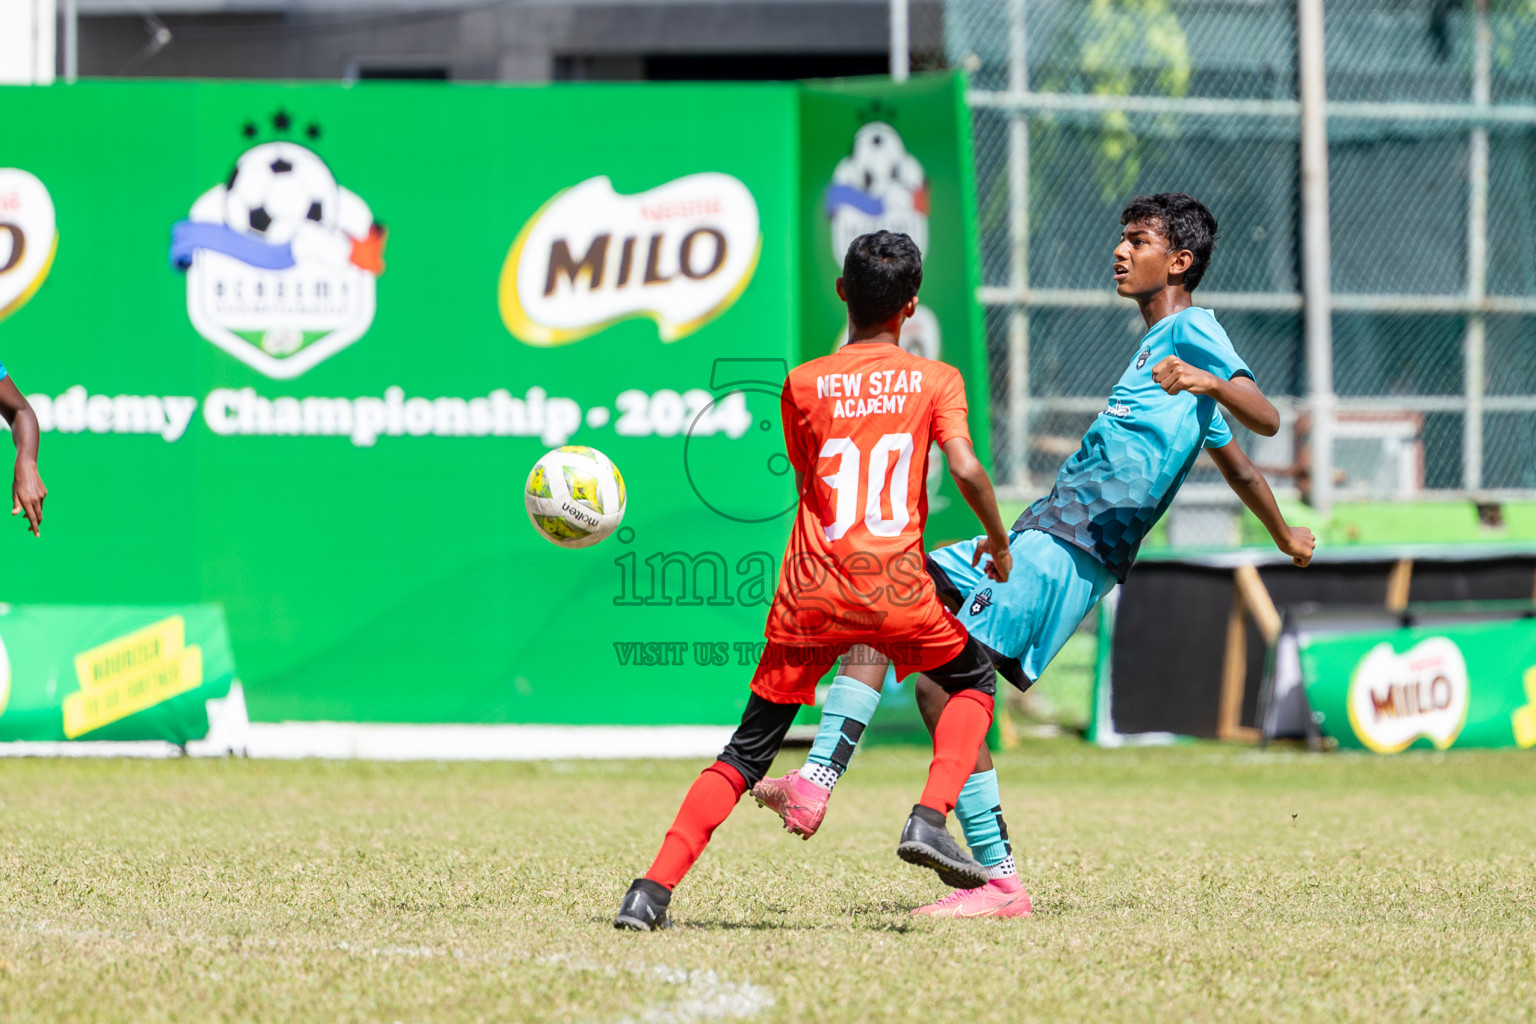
x=575 y=496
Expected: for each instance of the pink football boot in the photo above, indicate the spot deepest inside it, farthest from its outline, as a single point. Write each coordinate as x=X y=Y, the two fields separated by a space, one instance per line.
x=1001 y=897
x=801 y=804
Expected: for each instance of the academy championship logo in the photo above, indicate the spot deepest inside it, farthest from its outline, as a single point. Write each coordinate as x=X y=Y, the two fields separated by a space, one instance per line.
x=879 y=186
x=681 y=254
x=1396 y=698
x=28 y=238
x=280 y=259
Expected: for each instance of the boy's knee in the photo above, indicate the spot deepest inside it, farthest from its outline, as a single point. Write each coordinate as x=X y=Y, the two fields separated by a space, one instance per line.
x=749 y=766
x=732 y=775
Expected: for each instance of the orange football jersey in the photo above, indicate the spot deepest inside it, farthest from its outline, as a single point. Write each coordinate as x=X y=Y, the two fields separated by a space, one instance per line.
x=858 y=424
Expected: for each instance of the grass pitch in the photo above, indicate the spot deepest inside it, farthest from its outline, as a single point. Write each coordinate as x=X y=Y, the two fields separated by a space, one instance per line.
x=1190 y=883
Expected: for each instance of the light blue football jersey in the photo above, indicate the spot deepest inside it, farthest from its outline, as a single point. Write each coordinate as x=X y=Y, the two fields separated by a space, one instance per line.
x=1141 y=447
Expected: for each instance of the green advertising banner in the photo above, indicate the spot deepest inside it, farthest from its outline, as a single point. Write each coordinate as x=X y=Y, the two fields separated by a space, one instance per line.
x=295 y=348
x=908 y=169
x=1424 y=688
x=101 y=673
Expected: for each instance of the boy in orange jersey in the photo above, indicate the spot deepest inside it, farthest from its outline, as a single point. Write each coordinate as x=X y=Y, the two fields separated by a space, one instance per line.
x=1181 y=383
x=858 y=425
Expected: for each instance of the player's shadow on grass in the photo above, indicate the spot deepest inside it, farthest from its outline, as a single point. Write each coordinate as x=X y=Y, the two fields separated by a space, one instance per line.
x=877 y=916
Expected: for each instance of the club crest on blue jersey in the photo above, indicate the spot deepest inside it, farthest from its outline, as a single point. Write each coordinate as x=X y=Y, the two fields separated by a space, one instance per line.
x=1141 y=360
x=980 y=602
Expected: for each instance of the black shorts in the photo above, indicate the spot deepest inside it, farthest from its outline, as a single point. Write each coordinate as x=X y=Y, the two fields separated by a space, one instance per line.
x=971 y=669
x=952 y=597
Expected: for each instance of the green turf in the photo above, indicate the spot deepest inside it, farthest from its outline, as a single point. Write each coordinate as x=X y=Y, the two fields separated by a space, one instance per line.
x=1194 y=883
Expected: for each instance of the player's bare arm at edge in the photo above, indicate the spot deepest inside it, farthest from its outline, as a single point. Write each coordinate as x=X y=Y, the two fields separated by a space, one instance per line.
x=27 y=490
x=976 y=488
x=1240 y=396
x=1249 y=484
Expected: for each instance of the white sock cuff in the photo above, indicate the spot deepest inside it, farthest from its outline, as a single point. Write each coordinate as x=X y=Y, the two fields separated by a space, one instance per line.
x=821 y=775
x=1004 y=869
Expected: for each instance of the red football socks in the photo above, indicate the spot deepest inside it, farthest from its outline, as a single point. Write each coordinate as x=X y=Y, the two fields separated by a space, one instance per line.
x=710 y=801
x=961 y=729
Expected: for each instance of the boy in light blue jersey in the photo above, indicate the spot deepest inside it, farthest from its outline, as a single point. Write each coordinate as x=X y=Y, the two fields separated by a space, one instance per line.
x=1070 y=547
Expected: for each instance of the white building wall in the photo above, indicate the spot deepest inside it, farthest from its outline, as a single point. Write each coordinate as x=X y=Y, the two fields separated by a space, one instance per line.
x=27 y=50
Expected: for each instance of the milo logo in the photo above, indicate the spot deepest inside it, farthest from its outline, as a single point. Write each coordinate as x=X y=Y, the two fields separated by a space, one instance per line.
x=1396 y=698
x=681 y=254
x=28 y=238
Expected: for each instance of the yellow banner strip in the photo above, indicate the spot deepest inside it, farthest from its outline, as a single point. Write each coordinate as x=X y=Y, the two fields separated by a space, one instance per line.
x=123 y=695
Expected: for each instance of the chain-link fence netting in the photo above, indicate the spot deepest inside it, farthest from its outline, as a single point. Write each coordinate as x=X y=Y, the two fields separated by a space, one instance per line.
x=1080 y=104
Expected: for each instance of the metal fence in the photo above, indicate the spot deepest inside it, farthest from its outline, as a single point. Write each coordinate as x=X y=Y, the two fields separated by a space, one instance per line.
x=1387 y=301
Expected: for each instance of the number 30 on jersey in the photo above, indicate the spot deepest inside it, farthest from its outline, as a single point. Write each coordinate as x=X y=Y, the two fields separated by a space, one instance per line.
x=845 y=480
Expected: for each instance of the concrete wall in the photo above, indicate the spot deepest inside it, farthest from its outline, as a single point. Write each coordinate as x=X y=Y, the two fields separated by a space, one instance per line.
x=524 y=40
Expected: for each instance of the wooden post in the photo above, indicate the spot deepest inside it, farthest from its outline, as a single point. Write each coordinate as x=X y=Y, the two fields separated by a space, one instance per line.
x=1398 y=582
x=1248 y=594
x=1258 y=602
x=1007 y=732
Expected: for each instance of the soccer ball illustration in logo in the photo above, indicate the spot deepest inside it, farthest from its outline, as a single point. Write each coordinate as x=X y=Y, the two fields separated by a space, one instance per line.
x=575 y=496
x=280 y=261
x=280 y=188
x=877 y=186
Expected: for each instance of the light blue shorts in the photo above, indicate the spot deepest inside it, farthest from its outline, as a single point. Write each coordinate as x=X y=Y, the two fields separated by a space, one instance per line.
x=1023 y=623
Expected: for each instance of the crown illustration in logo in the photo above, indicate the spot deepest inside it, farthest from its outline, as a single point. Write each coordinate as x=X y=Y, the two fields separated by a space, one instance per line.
x=876 y=110
x=282 y=125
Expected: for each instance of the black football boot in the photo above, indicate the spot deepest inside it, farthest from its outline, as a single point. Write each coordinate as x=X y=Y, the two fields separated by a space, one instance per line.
x=645 y=907
x=927 y=843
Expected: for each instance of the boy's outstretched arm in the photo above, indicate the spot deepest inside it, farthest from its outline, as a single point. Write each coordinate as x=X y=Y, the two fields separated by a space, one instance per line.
x=27 y=490
x=1249 y=484
x=976 y=487
x=1240 y=395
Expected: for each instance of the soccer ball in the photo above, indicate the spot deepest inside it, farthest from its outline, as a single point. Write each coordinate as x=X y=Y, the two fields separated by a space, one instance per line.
x=575 y=496
x=277 y=188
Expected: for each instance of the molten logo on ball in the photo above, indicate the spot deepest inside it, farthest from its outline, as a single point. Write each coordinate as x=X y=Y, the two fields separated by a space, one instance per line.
x=280 y=261
x=1396 y=698
x=575 y=496
x=681 y=254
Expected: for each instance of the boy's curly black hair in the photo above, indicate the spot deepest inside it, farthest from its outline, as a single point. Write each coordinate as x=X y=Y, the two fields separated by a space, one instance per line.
x=1184 y=220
